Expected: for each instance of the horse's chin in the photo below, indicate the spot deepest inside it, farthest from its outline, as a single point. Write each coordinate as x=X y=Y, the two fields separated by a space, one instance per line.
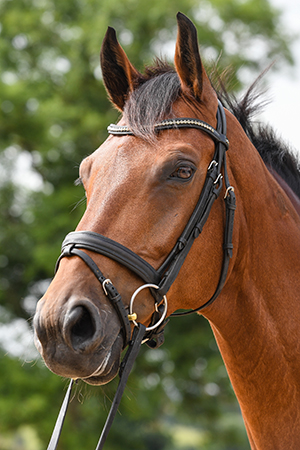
x=109 y=366
x=96 y=367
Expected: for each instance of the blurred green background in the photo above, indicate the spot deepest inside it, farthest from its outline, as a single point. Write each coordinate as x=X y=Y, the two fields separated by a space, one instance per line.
x=54 y=112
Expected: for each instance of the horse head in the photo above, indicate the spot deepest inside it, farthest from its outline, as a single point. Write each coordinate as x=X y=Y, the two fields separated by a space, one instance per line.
x=142 y=187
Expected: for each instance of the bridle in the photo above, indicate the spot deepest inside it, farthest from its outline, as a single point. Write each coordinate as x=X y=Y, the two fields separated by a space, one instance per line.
x=159 y=281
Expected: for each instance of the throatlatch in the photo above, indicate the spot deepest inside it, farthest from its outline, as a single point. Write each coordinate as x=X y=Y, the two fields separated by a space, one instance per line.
x=158 y=281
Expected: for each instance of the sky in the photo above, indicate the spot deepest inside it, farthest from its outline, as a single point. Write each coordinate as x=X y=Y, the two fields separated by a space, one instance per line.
x=284 y=85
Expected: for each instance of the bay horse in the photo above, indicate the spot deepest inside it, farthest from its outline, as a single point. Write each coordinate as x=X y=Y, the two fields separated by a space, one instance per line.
x=143 y=185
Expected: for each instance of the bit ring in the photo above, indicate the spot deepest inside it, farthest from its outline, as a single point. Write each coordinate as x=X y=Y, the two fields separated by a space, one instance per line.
x=132 y=314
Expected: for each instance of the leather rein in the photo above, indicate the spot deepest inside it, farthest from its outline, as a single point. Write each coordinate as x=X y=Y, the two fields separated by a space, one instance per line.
x=158 y=281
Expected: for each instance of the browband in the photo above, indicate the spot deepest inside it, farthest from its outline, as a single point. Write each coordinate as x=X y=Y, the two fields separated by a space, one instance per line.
x=122 y=130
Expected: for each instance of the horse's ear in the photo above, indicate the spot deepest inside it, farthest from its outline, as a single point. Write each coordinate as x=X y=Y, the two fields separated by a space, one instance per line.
x=187 y=59
x=119 y=75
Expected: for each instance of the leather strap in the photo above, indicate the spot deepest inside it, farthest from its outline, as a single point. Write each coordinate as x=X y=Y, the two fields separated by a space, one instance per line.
x=125 y=369
x=230 y=204
x=60 y=419
x=98 y=243
x=227 y=248
x=184 y=122
x=170 y=268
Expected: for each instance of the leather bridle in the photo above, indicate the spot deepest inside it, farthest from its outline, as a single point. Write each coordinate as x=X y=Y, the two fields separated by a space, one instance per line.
x=159 y=281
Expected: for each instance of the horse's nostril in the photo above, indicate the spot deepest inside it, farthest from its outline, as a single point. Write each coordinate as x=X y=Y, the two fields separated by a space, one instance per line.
x=80 y=326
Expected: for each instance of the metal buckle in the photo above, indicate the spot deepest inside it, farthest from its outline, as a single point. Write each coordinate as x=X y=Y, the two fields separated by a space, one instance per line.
x=213 y=163
x=219 y=177
x=230 y=188
x=105 y=282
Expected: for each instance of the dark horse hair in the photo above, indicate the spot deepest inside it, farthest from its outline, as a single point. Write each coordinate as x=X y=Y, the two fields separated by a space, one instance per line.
x=161 y=84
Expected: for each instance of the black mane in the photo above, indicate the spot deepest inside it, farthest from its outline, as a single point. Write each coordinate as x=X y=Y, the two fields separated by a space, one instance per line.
x=161 y=85
x=274 y=152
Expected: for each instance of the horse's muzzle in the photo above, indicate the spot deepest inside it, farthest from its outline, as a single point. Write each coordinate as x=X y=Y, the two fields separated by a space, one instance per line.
x=75 y=343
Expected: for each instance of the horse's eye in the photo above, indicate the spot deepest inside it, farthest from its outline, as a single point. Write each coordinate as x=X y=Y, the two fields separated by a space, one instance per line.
x=183 y=172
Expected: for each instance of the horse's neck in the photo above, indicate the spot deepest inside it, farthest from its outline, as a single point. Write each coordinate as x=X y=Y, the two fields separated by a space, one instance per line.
x=256 y=321
x=289 y=192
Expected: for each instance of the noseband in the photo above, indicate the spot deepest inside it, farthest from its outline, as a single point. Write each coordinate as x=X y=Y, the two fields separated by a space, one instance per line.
x=159 y=281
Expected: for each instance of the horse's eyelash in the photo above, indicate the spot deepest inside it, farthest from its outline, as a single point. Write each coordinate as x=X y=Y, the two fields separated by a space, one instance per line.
x=78 y=182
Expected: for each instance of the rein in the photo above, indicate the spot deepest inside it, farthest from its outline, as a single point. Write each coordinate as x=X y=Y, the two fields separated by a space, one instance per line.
x=158 y=281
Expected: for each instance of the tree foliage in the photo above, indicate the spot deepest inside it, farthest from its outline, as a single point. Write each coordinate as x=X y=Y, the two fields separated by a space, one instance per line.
x=53 y=112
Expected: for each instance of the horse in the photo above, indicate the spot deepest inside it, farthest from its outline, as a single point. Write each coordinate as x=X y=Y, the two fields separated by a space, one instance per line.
x=143 y=186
